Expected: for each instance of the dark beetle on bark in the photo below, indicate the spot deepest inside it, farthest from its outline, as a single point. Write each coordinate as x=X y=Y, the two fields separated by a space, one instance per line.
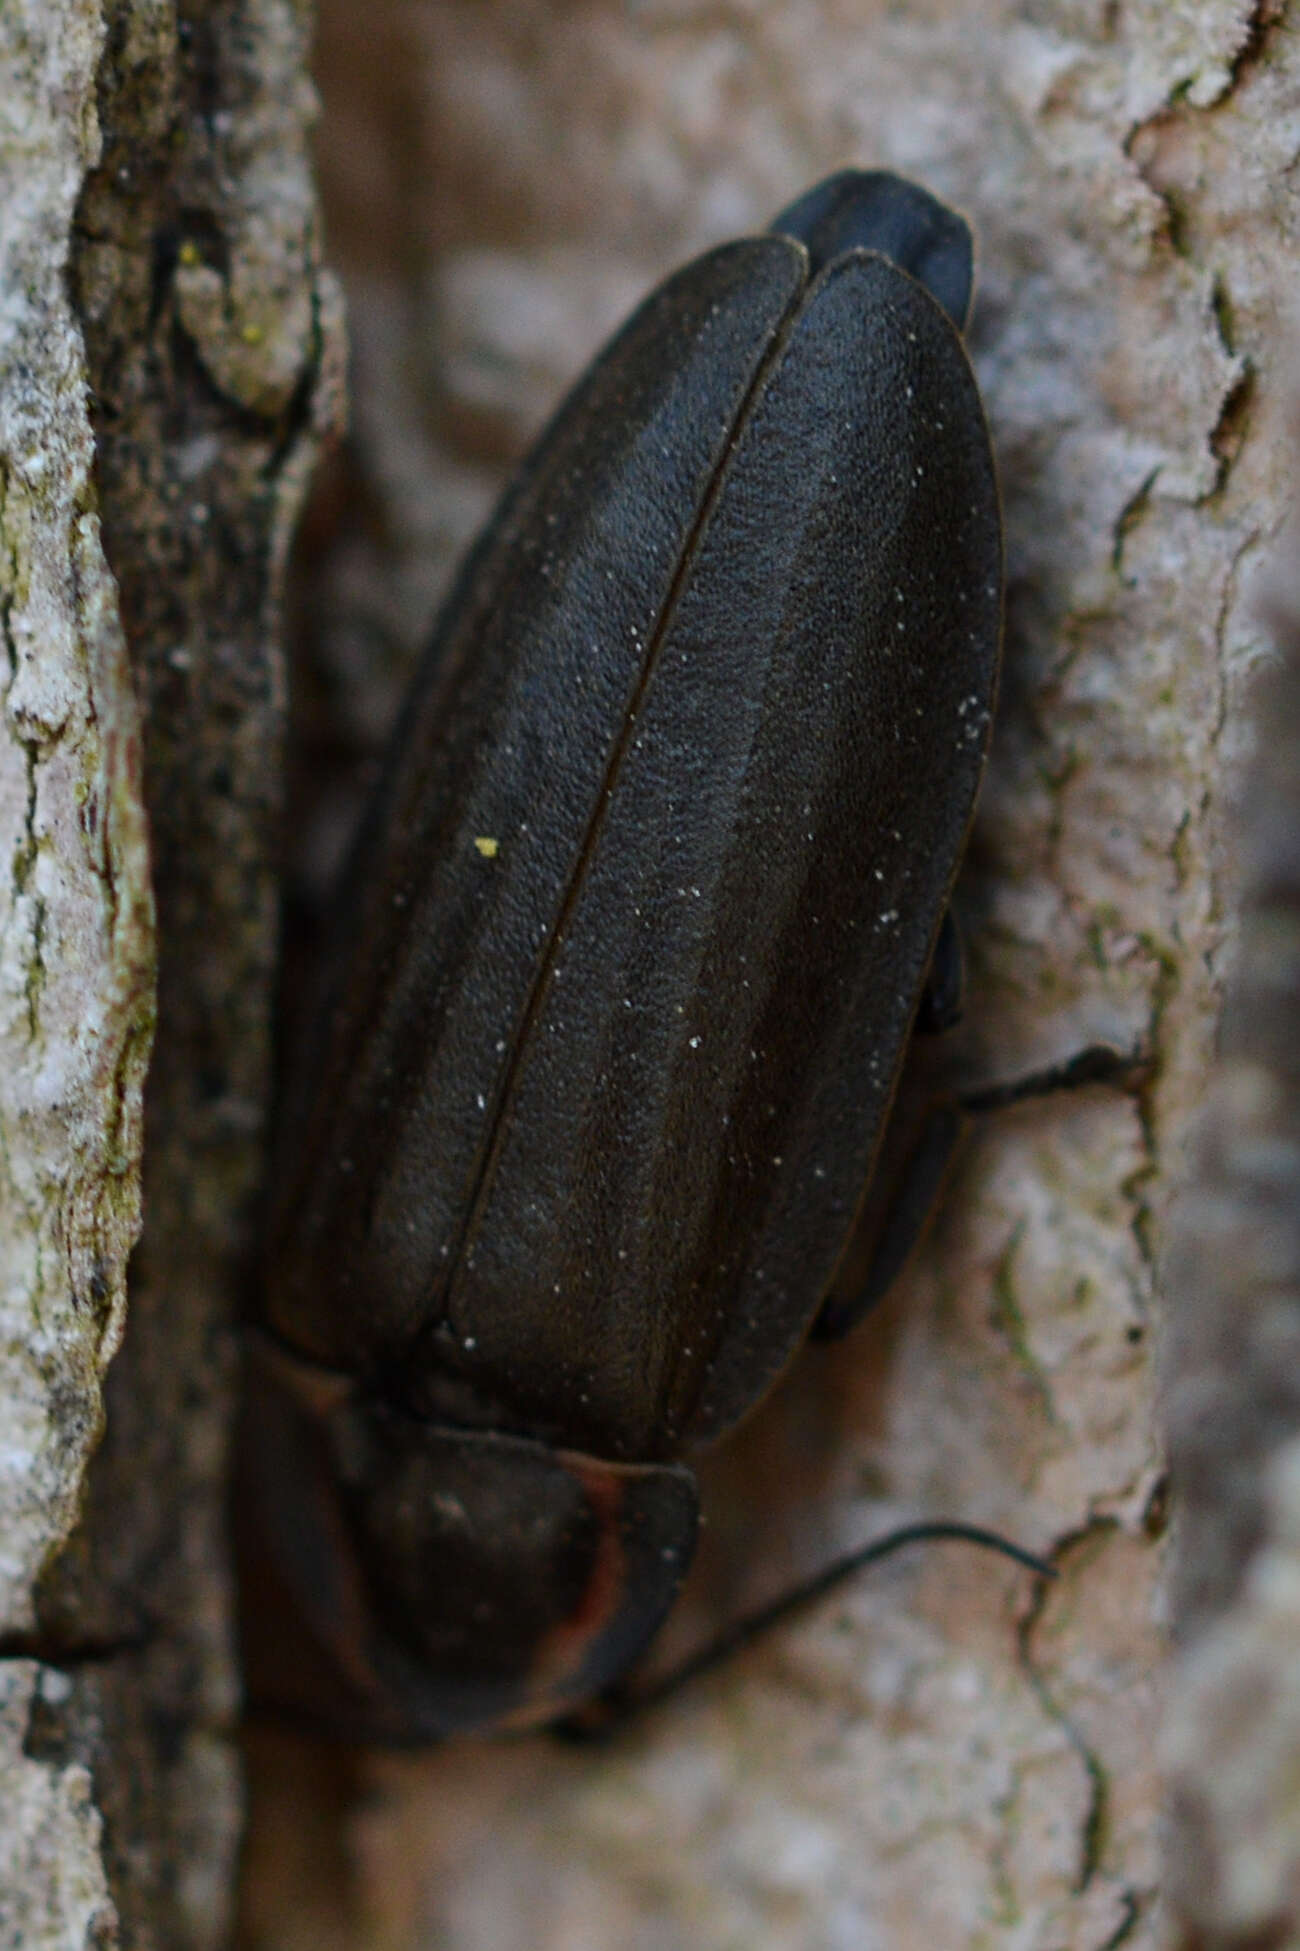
x=625 y=969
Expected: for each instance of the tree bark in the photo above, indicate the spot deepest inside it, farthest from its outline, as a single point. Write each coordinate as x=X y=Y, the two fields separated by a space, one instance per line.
x=942 y=1754
x=1232 y=1729
x=168 y=345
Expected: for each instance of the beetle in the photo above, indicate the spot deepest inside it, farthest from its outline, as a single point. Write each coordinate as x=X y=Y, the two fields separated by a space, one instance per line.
x=625 y=968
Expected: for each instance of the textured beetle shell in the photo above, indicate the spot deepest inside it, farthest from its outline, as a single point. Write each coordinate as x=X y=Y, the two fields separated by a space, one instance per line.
x=582 y=1132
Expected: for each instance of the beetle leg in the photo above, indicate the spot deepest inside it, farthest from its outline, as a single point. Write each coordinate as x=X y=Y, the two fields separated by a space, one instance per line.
x=1096 y=1063
x=919 y=1150
x=942 y=998
x=893 y=1218
x=901 y=1200
x=919 y=1147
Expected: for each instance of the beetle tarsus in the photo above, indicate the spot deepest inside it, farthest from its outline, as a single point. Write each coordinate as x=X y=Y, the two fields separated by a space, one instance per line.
x=897 y=1212
x=1096 y=1063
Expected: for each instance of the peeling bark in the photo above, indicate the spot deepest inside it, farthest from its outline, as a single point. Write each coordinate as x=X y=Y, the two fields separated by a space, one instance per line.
x=1232 y=1730
x=76 y=961
x=161 y=299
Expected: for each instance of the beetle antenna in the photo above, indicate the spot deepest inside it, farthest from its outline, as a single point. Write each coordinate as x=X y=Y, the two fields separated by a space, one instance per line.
x=609 y=1713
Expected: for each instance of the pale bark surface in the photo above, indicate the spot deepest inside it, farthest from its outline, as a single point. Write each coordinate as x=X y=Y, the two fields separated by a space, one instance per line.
x=160 y=297
x=1232 y=1726
x=940 y=1755
x=76 y=950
